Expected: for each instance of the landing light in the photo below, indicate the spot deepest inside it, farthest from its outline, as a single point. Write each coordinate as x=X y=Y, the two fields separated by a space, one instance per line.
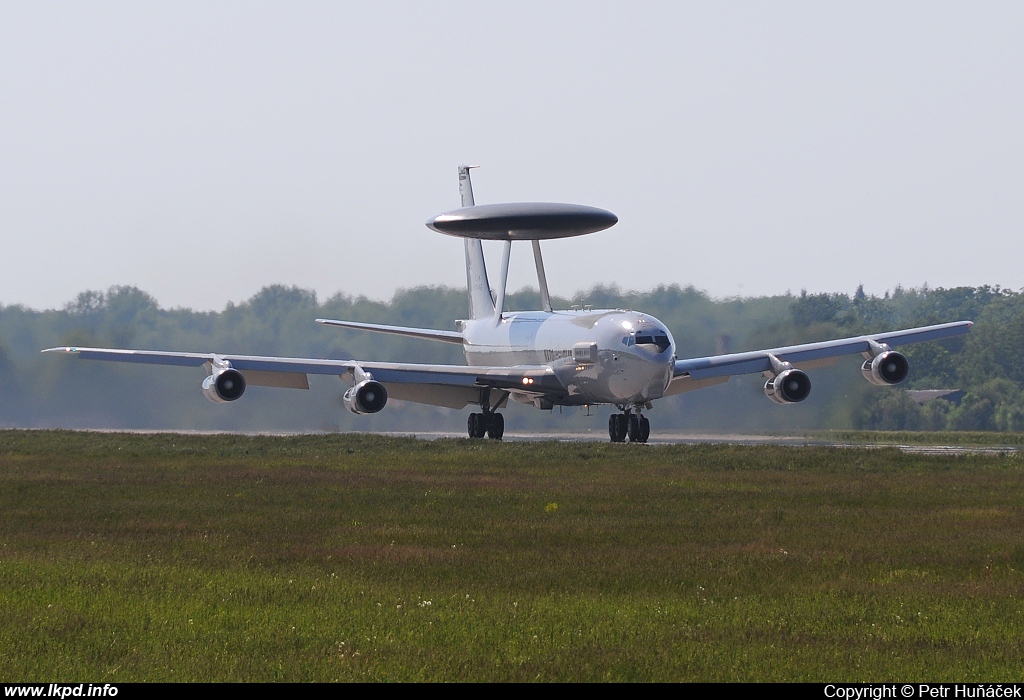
x=527 y=380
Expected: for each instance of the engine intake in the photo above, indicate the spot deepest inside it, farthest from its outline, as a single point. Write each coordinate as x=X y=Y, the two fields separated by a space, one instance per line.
x=226 y=385
x=886 y=369
x=368 y=396
x=788 y=386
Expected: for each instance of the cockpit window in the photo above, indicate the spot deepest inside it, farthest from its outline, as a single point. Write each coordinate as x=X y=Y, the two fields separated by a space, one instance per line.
x=658 y=339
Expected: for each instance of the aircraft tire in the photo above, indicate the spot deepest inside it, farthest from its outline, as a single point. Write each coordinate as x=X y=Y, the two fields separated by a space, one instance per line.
x=496 y=426
x=633 y=427
x=616 y=427
x=477 y=425
x=645 y=428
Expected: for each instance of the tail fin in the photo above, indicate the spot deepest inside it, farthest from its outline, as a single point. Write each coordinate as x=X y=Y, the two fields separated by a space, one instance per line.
x=466 y=185
x=481 y=305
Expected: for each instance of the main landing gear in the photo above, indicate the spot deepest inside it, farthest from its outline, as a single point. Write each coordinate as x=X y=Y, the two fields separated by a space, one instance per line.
x=490 y=424
x=628 y=424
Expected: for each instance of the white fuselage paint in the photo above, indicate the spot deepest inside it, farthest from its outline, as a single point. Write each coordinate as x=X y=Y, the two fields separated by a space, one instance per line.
x=624 y=372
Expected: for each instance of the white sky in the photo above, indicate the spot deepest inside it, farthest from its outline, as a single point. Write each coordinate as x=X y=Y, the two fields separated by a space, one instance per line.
x=203 y=150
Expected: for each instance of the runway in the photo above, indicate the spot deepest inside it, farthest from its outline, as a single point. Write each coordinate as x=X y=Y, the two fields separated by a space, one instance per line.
x=655 y=440
x=735 y=439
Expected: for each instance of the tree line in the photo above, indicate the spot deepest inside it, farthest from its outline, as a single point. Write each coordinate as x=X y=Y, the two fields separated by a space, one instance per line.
x=52 y=391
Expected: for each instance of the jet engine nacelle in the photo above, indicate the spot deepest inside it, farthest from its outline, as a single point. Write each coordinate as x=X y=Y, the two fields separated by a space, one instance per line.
x=226 y=385
x=789 y=386
x=886 y=368
x=367 y=396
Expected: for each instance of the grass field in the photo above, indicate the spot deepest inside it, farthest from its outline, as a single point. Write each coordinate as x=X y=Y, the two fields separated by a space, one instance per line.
x=354 y=557
x=909 y=437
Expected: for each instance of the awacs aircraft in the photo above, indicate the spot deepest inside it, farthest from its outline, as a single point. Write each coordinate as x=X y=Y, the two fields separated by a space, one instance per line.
x=543 y=358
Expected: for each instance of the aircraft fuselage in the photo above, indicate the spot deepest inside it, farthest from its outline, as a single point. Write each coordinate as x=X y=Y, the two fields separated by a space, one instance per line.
x=599 y=356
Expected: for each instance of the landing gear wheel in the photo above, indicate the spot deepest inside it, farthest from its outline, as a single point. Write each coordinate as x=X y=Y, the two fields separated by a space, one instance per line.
x=634 y=427
x=496 y=426
x=617 y=427
x=645 y=429
x=477 y=425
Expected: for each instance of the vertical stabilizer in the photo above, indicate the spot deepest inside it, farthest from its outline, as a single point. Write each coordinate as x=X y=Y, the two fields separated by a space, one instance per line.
x=466 y=185
x=481 y=305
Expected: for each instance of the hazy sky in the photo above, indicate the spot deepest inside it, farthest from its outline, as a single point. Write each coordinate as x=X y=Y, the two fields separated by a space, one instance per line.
x=203 y=150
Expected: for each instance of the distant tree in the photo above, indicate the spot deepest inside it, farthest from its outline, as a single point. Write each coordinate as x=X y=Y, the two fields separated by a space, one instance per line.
x=996 y=405
x=893 y=409
x=993 y=350
x=87 y=303
x=818 y=308
x=43 y=390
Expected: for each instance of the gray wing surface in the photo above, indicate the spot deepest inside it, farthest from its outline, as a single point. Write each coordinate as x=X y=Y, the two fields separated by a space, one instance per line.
x=453 y=386
x=422 y=333
x=704 y=371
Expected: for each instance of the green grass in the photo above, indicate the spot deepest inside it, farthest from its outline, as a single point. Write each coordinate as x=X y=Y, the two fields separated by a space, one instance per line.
x=920 y=437
x=355 y=557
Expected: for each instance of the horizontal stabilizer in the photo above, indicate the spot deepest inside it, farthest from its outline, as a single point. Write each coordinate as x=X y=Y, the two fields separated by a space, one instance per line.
x=423 y=333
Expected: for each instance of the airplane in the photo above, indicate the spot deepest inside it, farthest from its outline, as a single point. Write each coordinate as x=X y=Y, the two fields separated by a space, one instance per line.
x=546 y=358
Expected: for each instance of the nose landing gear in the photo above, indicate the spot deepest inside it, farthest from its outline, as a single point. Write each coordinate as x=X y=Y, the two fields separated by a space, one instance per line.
x=628 y=424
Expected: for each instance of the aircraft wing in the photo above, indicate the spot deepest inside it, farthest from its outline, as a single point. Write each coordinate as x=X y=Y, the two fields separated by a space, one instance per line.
x=453 y=386
x=698 y=372
x=422 y=333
